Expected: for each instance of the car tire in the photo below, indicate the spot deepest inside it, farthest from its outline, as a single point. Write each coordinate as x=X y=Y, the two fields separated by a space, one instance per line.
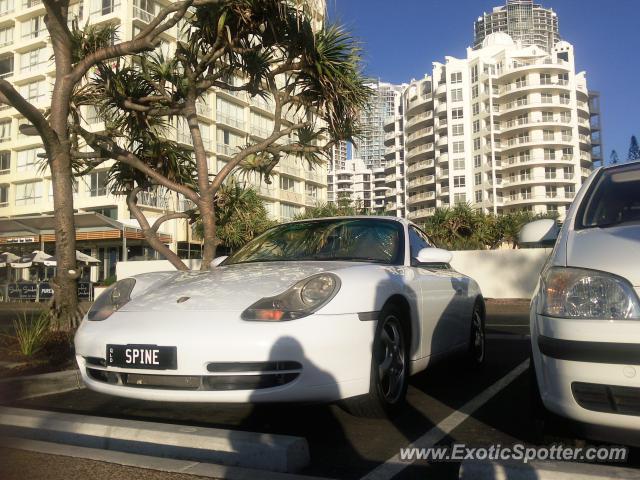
x=389 y=368
x=477 y=351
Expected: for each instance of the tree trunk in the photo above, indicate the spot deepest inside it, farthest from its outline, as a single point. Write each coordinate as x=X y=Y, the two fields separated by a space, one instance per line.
x=65 y=298
x=207 y=213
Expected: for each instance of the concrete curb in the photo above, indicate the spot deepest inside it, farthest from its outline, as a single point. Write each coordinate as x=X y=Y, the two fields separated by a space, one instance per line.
x=208 y=470
x=487 y=470
x=279 y=453
x=17 y=388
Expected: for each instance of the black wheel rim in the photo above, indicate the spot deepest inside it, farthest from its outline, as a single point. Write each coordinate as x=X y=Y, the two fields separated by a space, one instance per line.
x=391 y=360
x=477 y=337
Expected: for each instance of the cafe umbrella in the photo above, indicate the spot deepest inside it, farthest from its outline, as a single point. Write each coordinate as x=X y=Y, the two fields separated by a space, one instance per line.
x=38 y=257
x=6 y=258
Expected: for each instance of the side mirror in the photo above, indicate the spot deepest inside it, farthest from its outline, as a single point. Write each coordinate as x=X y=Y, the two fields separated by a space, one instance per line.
x=217 y=261
x=543 y=231
x=434 y=255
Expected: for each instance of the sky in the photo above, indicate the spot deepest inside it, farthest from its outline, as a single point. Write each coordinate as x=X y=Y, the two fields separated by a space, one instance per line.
x=401 y=38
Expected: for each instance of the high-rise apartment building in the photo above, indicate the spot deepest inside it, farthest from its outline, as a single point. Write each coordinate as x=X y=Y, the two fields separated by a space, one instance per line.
x=352 y=183
x=525 y=21
x=369 y=146
x=505 y=129
x=338 y=156
x=394 y=162
x=227 y=120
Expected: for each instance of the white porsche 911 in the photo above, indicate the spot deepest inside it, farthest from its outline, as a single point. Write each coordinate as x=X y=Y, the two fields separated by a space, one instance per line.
x=316 y=310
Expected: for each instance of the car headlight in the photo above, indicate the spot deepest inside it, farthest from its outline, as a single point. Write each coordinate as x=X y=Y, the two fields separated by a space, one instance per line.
x=302 y=299
x=111 y=300
x=589 y=294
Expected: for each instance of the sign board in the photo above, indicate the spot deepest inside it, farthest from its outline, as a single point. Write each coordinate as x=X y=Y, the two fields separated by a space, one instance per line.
x=84 y=290
x=23 y=291
x=45 y=291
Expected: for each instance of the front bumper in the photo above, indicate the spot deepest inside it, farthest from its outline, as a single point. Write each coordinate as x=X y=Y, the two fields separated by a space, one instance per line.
x=589 y=370
x=319 y=358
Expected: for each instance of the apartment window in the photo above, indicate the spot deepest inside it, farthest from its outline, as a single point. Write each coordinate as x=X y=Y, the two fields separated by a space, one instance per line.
x=477 y=161
x=476 y=126
x=4 y=195
x=98 y=184
x=457 y=113
x=474 y=92
x=456 y=77
x=104 y=7
x=6 y=66
x=458 y=163
x=261 y=126
x=553 y=209
x=457 y=130
x=565 y=98
x=563 y=78
x=229 y=113
x=551 y=191
x=28 y=193
x=456 y=95
x=525 y=193
x=458 y=147
x=548 y=135
x=6 y=6
x=569 y=191
x=522 y=101
x=28 y=160
x=547 y=116
x=5 y=162
x=287 y=184
x=549 y=173
x=524 y=156
x=459 y=198
x=521 y=82
x=479 y=196
x=474 y=73
x=568 y=173
x=546 y=98
x=6 y=36
x=33 y=27
x=549 y=154
x=525 y=174
x=34 y=92
x=523 y=119
x=567 y=153
x=5 y=130
x=459 y=181
x=545 y=79
x=565 y=117
x=477 y=179
x=31 y=61
x=476 y=144
x=287 y=212
x=566 y=135
x=513 y=194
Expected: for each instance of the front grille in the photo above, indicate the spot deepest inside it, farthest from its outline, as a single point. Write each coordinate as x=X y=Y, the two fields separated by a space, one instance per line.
x=266 y=378
x=607 y=398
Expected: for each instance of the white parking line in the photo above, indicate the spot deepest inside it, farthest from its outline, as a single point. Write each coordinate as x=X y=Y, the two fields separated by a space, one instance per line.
x=394 y=465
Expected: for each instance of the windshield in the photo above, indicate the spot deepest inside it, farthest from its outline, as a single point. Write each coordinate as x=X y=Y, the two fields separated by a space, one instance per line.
x=613 y=200
x=360 y=240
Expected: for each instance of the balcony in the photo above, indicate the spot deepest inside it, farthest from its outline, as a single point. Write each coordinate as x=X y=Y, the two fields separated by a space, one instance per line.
x=416 y=167
x=142 y=14
x=229 y=120
x=421 y=197
x=225 y=150
x=421 y=213
x=105 y=7
x=420 y=181
x=414 y=152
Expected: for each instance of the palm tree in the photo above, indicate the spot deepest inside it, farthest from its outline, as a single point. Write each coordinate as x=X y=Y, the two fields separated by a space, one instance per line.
x=311 y=78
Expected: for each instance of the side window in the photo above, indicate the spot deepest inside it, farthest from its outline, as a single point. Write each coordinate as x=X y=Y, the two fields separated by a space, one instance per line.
x=417 y=241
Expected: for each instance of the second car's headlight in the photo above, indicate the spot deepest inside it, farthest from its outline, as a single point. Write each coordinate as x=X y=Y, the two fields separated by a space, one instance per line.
x=111 y=300
x=302 y=299
x=588 y=294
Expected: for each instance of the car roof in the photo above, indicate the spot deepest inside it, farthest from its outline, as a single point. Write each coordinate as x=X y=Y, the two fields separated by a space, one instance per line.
x=367 y=217
x=635 y=163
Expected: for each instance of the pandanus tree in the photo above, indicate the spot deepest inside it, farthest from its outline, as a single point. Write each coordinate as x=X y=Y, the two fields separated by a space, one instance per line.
x=75 y=53
x=265 y=49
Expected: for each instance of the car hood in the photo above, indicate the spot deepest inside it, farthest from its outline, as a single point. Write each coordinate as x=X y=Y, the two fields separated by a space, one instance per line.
x=225 y=288
x=614 y=249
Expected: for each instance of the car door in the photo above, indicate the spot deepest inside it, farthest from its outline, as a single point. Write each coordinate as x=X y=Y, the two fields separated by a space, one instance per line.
x=441 y=298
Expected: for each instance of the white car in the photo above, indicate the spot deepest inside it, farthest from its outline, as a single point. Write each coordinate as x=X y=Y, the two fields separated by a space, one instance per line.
x=585 y=315
x=315 y=310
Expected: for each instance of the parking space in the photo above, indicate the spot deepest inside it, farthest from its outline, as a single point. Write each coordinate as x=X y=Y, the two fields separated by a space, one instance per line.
x=343 y=446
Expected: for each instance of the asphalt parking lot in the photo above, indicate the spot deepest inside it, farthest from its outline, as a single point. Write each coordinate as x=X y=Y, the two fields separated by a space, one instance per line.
x=343 y=446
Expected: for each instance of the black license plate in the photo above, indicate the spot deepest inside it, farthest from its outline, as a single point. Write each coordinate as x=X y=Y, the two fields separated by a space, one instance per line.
x=150 y=357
